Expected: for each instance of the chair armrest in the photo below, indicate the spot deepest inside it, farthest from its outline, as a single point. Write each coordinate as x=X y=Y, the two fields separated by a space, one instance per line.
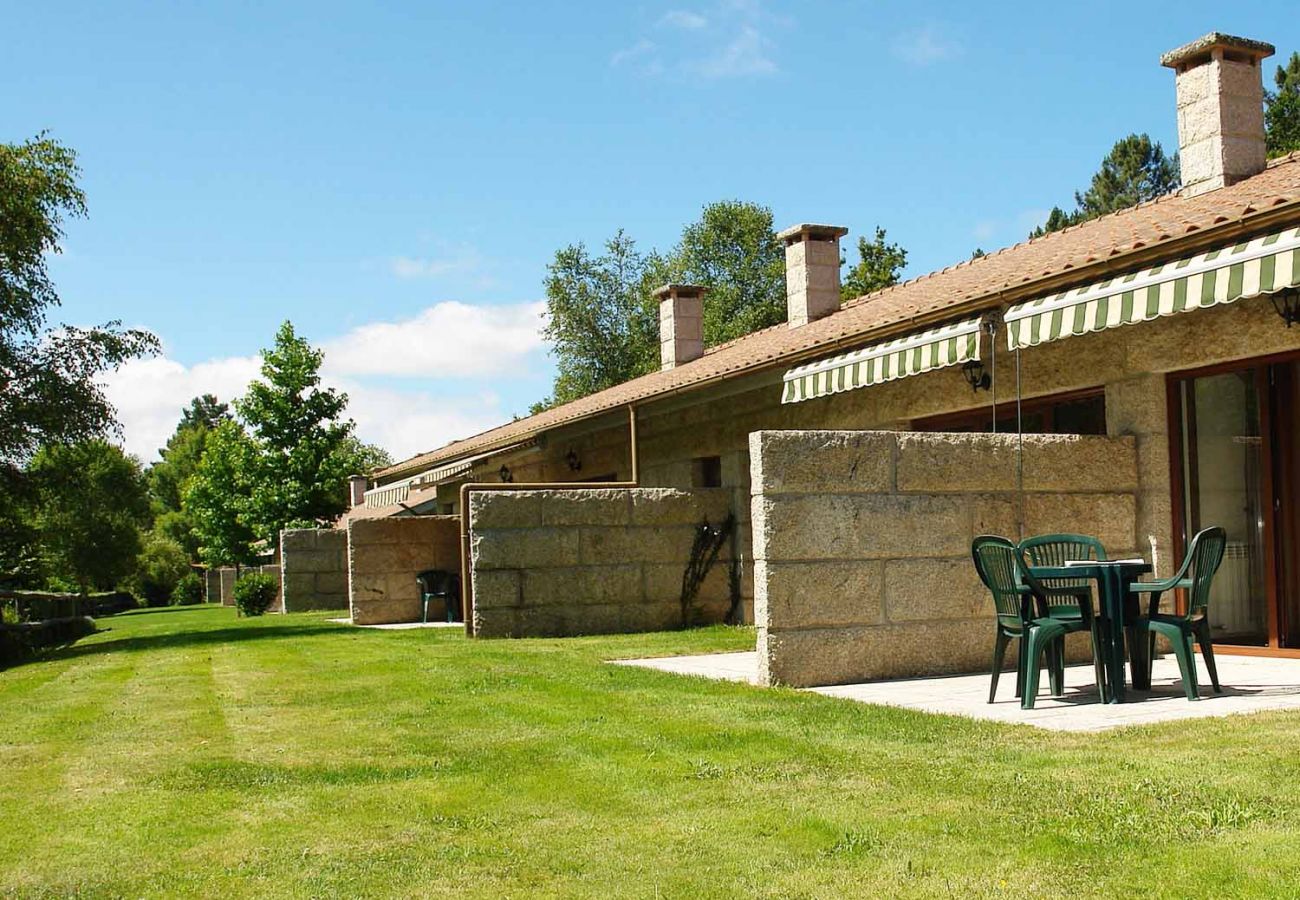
x=1159 y=587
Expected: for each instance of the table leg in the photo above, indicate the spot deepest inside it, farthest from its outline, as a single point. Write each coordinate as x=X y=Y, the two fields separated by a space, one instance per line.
x=1115 y=614
x=1137 y=646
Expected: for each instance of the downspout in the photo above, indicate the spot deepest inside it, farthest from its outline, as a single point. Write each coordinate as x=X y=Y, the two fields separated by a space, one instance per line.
x=466 y=582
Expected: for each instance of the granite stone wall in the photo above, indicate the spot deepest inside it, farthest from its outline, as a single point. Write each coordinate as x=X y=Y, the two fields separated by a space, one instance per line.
x=385 y=555
x=315 y=566
x=862 y=540
x=568 y=562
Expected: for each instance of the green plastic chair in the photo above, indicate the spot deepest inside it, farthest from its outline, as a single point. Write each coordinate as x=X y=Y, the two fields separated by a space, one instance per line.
x=1022 y=603
x=1195 y=576
x=436 y=584
x=1057 y=550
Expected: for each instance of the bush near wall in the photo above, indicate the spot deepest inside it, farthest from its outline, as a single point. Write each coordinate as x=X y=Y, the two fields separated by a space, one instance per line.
x=22 y=640
x=189 y=590
x=255 y=593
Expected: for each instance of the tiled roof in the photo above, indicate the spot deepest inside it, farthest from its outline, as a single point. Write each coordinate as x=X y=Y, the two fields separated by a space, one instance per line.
x=1076 y=253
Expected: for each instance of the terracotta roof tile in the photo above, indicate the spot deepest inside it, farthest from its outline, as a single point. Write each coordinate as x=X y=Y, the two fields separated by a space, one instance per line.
x=971 y=282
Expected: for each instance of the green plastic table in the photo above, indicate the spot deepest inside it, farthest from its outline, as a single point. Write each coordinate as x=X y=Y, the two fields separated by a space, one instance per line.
x=1113 y=578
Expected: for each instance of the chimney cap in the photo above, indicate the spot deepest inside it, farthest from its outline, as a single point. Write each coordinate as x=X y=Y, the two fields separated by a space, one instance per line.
x=1203 y=48
x=679 y=290
x=807 y=231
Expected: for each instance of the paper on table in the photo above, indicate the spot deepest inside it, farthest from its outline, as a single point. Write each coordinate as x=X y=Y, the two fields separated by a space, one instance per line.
x=1135 y=561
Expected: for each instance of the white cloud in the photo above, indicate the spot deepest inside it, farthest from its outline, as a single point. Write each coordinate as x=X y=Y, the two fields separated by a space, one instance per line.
x=925 y=46
x=447 y=340
x=640 y=50
x=746 y=55
x=446 y=344
x=731 y=41
x=149 y=395
x=684 y=19
x=457 y=260
x=409 y=422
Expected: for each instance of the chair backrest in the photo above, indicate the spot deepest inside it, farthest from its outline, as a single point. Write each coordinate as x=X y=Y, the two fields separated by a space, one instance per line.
x=1203 y=558
x=997 y=563
x=438 y=583
x=1057 y=550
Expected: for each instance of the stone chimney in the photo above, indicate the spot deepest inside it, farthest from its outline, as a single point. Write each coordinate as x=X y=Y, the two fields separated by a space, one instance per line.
x=357 y=489
x=681 y=326
x=812 y=272
x=1220 y=109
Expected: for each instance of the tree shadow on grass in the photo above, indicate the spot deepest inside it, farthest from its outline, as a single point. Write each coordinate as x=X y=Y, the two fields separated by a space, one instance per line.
x=137 y=643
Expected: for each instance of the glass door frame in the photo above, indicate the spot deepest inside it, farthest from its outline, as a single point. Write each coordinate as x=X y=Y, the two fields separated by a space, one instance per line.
x=1273 y=600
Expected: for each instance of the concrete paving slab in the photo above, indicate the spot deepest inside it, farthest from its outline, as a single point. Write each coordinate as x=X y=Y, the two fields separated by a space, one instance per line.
x=1251 y=684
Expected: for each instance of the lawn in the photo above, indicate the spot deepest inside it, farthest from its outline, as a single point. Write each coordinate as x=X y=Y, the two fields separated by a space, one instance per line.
x=189 y=752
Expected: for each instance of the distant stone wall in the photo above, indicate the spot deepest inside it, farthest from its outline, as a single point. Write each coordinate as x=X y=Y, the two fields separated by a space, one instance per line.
x=385 y=555
x=227 y=574
x=315 y=565
x=566 y=562
x=212 y=586
x=862 y=541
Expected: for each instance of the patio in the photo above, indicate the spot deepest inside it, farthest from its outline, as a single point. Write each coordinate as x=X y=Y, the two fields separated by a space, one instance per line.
x=1250 y=684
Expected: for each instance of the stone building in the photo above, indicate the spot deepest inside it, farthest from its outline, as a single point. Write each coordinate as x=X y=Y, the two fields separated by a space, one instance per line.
x=1139 y=370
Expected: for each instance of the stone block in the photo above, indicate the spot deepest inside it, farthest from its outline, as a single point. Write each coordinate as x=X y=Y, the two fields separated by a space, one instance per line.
x=657 y=616
x=845 y=655
x=1110 y=517
x=496 y=588
x=795 y=462
x=995 y=514
x=332 y=583
x=596 y=507
x=934 y=589
x=818 y=594
x=524 y=548
x=1080 y=463
x=495 y=623
x=607 y=546
x=950 y=463
x=507 y=509
x=864 y=526
x=666 y=506
x=582 y=586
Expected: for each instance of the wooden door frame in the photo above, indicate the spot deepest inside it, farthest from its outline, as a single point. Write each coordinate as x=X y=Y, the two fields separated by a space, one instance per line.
x=1174 y=418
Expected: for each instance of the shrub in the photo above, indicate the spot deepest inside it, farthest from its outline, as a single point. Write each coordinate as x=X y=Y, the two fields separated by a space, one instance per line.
x=255 y=593
x=189 y=590
x=162 y=564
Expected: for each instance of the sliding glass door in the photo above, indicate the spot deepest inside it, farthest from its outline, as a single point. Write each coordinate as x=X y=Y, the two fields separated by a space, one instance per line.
x=1236 y=453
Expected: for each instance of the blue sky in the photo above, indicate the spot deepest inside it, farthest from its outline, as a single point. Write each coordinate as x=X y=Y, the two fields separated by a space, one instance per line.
x=395 y=177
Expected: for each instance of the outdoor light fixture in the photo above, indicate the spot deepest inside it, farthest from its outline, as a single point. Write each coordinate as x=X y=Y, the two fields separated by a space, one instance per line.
x=505 y=473
x=976 y=377
x=1287 y=304
x=575 y=464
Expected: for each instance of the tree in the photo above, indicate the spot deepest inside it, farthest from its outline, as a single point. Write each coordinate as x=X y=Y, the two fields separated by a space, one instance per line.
x=177 y=463
x=49 y=393
x=879 y=266
x=1135 y=170
x=216 y=497
x=1282 y=110
x=600 y=320
x=734 y=252
x=359 y=458
x=48 y=377
x=298 y=473
x=204 y=411
x=91 y=506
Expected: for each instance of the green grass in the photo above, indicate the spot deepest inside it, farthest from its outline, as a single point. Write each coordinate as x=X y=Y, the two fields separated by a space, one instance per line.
x=189 y=752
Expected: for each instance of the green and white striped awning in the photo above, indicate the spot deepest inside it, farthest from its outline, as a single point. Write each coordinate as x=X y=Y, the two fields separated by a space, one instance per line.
x=916 y=353
x=1259 y=266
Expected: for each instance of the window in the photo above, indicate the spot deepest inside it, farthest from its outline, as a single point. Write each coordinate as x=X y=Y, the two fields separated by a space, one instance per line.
x=1083 y=412
x=706 y=472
